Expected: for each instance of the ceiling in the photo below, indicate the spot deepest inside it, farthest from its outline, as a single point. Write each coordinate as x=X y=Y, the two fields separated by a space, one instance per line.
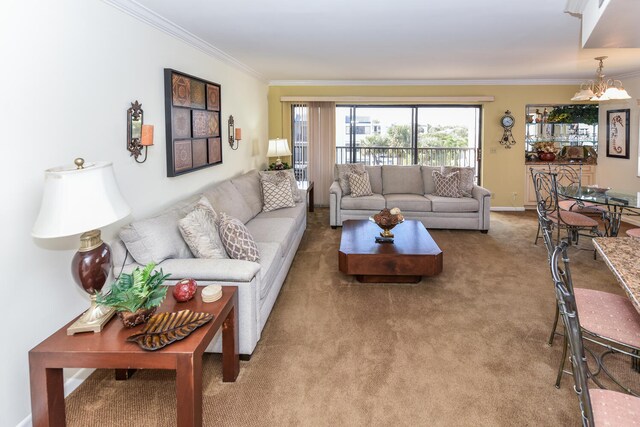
x=293 y=40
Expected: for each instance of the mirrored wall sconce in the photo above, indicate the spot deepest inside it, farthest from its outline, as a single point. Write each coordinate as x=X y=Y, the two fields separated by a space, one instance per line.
x=235 y=134
x=139 y=135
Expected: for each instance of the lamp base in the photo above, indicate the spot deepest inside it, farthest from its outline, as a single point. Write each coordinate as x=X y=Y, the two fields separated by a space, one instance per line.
x=92 y=320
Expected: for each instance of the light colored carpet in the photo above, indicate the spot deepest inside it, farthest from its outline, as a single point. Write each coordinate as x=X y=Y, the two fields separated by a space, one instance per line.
x=465 y=348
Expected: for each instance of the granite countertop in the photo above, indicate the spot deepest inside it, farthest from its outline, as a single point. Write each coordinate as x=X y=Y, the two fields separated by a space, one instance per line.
x=622 y=255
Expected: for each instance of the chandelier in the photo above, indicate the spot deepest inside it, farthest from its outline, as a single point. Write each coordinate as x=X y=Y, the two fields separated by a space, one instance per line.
x=600 y=89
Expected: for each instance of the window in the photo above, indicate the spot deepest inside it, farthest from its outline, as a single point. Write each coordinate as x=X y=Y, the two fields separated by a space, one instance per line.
x=299 y=132
x=408 y=135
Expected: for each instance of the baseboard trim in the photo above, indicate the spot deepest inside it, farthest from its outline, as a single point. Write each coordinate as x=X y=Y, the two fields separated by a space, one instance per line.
x=507 y=209
x=631 y=220
x=69 y=385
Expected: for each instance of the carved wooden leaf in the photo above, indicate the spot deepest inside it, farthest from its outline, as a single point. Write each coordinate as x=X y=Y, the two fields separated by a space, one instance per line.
x=164 y=328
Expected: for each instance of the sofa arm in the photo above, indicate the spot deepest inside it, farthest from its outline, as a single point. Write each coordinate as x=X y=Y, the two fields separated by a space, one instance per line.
x=484 y=202
x=335 y=197
x=206 y=270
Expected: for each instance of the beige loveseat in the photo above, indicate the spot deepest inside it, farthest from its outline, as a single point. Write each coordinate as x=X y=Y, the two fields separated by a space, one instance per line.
x=412 y=189
x=277 y=234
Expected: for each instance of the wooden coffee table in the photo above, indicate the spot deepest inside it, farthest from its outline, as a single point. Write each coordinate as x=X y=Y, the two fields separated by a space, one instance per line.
x=108 y=349
x=413 y=253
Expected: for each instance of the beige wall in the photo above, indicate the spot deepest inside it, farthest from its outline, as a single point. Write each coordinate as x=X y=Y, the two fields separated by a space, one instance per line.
x=70 y=68
x=503 y=170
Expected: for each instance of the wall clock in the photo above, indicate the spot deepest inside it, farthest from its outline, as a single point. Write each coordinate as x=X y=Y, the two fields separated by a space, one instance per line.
x=507 y=121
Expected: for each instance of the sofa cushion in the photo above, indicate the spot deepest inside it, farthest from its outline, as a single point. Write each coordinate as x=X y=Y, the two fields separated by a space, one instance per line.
x=408 y=202
x=342 y=171
x=270 y=263
x=157 y=238
x=373 y=202
x=226 y=198
x=375 y=178
x=200 y=231
x=467 y=178
x=402 y=179
x=297 y=213
x=288 y=174
x=360 y=185
x=276 y=230
x=447 y=185
x=427 y=178
x=237 y=240
x=277 y=194
x=248 y=185
x=453 y=204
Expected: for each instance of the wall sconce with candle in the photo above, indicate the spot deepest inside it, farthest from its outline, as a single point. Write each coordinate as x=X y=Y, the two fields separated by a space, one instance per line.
x=139 y=135
x=235 y=134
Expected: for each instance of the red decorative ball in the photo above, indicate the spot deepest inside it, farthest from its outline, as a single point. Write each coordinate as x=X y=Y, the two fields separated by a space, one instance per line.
x=184 y=290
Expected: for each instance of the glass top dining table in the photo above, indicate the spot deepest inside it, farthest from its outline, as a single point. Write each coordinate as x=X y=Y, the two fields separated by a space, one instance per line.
x=617 y=203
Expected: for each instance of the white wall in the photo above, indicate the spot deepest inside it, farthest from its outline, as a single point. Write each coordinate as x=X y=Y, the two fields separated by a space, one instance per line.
x=69 y=70
x=620 y=174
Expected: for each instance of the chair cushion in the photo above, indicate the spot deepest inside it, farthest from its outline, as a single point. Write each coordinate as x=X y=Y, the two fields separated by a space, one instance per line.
x=634 y=232
x=427 y=178
x=277 y=194
x=572 y=219
x=611 y=408
x=453 y=204
x=226 y=198
x=248 y=185
x=200 y=231
x=375 y=178
x=447 y=185
x=467 y=177
x=360 y=185
x=402 y=180
x=343 y=171
x=408 y=202
x=237 y=240
x=609 y=315
x=586 y=209
x=372 y=202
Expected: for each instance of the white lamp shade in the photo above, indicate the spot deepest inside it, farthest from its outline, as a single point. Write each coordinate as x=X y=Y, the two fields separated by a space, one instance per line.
x=278 y=147
x=79 y=200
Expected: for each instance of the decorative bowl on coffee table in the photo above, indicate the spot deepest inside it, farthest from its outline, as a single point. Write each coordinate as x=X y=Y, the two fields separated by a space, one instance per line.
x=386 y=224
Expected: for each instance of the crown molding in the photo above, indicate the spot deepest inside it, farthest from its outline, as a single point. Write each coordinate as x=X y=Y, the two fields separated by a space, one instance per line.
x=627 y=75
x=505 y=82
x=400 y=99
x=575 y=7
x=141 y=13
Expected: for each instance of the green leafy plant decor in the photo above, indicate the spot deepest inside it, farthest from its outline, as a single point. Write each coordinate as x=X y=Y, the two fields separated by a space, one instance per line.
x=139 y=292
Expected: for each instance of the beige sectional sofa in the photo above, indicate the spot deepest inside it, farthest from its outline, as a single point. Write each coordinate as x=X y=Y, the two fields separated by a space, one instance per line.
x=277 y=233
x=412 y=189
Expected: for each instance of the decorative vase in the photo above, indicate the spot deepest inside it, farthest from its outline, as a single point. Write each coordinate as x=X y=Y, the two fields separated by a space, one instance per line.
x=547 y=157
x=141 y=315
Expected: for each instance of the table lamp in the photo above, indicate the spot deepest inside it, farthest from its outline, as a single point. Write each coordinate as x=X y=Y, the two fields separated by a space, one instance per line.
x=278 y=147
x=80 y=199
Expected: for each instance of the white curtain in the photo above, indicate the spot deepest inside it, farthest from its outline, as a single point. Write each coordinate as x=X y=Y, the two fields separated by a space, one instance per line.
x=322 y=148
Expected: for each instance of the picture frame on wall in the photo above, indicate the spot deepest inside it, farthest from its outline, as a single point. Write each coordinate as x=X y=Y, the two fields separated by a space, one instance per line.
x=618 y=134
x=192 y=116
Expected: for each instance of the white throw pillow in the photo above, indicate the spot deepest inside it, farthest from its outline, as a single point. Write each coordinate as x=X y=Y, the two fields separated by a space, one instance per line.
x=276 y=194
x=360 y=184
x=236 y=239
x=447 y=185
x=199 y=229
x=282 y=174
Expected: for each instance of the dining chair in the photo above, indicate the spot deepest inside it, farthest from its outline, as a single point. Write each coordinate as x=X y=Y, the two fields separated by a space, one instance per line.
x=547 y=201
x=633 y=232
x=571 y=175
x=598 y=407
x=608 y=320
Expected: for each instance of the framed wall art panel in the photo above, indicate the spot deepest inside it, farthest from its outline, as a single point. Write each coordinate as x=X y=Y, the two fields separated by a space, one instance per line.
x=192 y=113
x=618 y=133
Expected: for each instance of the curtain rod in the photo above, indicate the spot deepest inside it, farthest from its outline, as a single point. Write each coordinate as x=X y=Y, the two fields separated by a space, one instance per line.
x=404 y=99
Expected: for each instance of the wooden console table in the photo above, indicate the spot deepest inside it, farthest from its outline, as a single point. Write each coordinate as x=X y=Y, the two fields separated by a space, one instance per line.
x=108 y=349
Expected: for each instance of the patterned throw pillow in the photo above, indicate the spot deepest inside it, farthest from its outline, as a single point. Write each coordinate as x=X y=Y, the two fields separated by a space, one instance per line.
x=200 y=232
x=277 y=194
x=344 y=170
x=236 y=239
x=284 y=174
x=467 y=178
x=447 y=185
x=360 y=184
